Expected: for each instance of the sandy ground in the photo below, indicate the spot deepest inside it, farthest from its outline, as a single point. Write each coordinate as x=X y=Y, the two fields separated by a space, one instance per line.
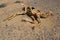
x=15 y=29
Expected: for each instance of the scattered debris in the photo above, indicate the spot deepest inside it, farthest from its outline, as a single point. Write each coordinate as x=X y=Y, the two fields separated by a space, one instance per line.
x=6 y=25
x=26 y=21
x=18 y=2
x=21 y=2
x=2 y=5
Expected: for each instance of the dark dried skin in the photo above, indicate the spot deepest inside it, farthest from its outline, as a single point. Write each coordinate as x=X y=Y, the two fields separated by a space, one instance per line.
x=23 y=8
x=33 y=8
